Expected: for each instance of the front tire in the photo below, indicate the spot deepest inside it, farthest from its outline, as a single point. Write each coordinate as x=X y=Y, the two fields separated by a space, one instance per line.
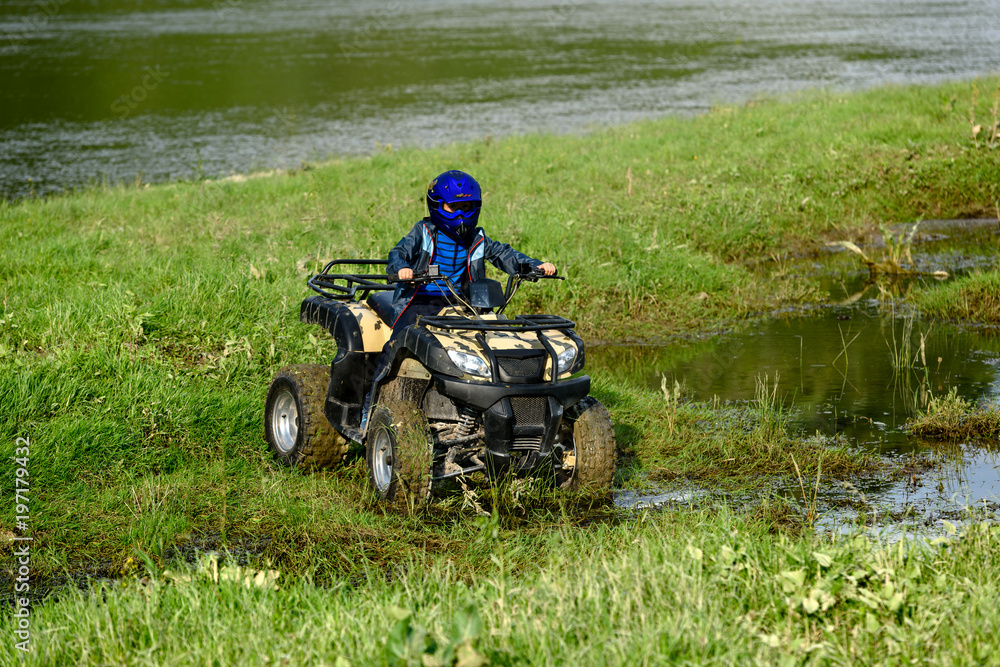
x=295 y=427
x=400 y=453
x=588 y=464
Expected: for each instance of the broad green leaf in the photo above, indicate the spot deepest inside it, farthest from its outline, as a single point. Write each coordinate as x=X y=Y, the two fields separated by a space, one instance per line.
x=871 y=623
x=397 y=613
x=823 y=559
x=792 y=580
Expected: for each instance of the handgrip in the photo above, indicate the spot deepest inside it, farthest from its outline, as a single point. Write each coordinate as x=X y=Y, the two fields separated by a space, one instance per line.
x=430 y=275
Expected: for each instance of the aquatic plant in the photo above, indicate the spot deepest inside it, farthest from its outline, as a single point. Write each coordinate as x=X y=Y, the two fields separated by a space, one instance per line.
x=771 y=416
x=898 y=248
x=951 y=417
x=811 y=509
x=992 y=137
x=899 y=348
x=671 y=397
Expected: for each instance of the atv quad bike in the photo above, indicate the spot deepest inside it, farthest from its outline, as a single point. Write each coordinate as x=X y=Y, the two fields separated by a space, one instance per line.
x=464 y=391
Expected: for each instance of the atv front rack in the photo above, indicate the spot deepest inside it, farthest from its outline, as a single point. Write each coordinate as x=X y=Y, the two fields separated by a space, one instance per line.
x=536 y=324
x=350 y=283
x=521 y=323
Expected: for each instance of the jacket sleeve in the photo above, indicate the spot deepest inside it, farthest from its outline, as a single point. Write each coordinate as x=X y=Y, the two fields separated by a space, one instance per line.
x=407 y=251
x=505 y=258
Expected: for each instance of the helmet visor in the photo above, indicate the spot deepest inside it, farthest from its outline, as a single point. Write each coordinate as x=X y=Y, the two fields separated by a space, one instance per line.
x=463 y=206
x=458 y=209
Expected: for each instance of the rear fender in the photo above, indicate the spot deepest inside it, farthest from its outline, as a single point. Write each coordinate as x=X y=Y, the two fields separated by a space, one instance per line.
x=360 y=337
x=354 y=326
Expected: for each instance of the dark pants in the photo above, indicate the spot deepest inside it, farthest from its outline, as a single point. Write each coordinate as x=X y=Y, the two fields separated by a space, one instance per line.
x=421 y=305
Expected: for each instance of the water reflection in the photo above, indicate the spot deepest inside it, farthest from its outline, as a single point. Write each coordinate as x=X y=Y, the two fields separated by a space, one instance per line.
x=836 y=369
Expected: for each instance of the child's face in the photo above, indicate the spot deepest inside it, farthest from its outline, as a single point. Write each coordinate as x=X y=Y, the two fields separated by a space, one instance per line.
x=467 y=207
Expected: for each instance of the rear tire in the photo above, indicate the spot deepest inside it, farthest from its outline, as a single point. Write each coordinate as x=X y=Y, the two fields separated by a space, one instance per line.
x=295 y=426
x=589 y=463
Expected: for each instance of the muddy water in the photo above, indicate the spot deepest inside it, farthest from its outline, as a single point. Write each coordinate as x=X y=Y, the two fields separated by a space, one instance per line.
x=834 y=369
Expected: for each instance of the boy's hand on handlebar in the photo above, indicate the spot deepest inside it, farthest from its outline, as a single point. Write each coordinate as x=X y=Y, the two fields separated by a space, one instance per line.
x=405 y=274
x=548 y=267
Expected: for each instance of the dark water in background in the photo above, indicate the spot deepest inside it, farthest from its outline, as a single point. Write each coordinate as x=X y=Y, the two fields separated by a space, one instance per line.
x=180 y=88
x=835 y=366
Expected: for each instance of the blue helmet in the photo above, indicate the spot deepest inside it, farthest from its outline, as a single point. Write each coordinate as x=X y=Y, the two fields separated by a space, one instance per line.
x=462 y=195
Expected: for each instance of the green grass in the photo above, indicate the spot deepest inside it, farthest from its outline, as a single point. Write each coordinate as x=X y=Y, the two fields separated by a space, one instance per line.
x=971 y=298
x=139 y=329
x=950 y=417
x=692 y=588
x=736 y=447
x=134 y=462
x=643 y=218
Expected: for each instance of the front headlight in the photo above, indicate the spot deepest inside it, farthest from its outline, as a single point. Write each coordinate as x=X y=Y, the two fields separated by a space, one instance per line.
x=565 y=360
x=470 y=363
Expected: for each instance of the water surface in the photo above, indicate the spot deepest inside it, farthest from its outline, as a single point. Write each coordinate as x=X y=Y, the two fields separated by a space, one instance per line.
x=834 y=371
x=187 y=88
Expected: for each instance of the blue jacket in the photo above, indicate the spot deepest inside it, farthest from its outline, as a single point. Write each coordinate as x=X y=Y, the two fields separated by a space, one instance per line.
x=416 y=249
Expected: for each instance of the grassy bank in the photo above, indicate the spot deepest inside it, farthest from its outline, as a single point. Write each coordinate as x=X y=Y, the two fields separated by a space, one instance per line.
x=974 y=298
x=649 y=220
x=949 y=417
x=141 y=326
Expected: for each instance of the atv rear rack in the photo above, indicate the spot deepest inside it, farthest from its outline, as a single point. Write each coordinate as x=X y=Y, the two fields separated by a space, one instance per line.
x=350 y=283
x=521 y=323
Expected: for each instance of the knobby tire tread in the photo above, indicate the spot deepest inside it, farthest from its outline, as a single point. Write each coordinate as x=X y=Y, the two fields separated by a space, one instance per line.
x=399 y=400
x=322 y=446
x=594 y=440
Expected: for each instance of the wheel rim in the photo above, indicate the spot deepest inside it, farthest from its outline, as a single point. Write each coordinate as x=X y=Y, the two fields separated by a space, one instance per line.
x=382 y=460
x=285 y=421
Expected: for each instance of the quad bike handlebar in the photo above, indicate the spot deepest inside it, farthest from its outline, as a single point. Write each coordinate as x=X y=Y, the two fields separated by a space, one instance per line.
x=419 y=278
x=355 y=286
x=531 y=273
x=525 y=271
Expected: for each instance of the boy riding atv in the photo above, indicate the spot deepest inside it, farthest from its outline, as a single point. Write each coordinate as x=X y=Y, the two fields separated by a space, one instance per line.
x=434 y=379
x=449 y=238
x=453 y=241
